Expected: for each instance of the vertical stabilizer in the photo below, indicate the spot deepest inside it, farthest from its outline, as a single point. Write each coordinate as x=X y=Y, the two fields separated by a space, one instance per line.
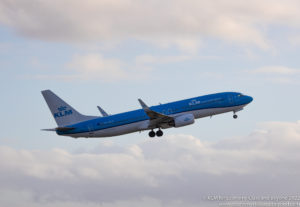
x=63 y=113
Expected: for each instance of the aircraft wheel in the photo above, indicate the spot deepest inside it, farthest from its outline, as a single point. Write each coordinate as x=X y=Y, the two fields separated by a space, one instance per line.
x=235 y=116
x=151 y=134
x=159 y=133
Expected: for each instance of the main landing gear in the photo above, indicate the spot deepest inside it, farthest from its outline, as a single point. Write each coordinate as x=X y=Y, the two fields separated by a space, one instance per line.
x=159 y=133
x=152 y=134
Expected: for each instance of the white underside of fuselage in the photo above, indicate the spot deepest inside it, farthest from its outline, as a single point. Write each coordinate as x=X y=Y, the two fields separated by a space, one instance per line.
x=143 y=125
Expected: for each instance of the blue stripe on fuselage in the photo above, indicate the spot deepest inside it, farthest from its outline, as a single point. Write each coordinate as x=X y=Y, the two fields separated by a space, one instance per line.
x=218 y=100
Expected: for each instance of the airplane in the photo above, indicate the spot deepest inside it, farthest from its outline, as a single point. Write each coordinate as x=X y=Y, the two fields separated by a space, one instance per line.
x=175 y=114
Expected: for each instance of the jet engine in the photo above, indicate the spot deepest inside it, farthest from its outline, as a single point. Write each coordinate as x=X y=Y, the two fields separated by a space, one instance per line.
x=183 y=120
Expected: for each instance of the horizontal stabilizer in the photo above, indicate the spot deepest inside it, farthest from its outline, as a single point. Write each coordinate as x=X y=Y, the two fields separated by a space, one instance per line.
x=102 y=111
x=62 y=129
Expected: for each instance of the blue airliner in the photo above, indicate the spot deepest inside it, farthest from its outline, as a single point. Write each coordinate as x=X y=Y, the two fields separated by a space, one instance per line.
x=163 y=116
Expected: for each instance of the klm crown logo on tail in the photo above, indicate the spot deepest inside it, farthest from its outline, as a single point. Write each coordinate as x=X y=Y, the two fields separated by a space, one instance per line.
x=62 y=111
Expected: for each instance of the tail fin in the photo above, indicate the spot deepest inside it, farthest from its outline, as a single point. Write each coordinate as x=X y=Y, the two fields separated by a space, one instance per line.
x=63 y=113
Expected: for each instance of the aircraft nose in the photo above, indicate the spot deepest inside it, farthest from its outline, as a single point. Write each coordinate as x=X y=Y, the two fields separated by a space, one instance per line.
x=249 y=99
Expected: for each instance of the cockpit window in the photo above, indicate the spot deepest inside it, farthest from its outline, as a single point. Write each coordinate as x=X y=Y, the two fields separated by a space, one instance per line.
x=240 y=95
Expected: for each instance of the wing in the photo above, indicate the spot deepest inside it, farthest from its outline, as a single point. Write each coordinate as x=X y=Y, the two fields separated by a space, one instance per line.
x=156 y=119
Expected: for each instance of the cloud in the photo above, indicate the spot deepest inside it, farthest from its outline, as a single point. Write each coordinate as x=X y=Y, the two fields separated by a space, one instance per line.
x=94 y=66
x=294 y=40
x=181 y=23
x=280 y=70
x=175 y=170
x=151 y=59
x=277 y=74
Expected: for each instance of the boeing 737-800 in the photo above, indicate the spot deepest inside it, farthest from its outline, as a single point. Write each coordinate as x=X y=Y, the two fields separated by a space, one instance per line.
x=175 y=114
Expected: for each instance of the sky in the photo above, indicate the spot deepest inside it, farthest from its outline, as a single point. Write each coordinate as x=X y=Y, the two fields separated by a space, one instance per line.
x=110 y=53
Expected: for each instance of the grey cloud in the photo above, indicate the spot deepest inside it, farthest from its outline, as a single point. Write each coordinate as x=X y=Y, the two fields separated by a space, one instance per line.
x=175 y=170
x=164 y=23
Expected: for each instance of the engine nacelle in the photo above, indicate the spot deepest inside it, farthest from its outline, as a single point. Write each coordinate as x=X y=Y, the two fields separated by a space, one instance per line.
x=183 y=120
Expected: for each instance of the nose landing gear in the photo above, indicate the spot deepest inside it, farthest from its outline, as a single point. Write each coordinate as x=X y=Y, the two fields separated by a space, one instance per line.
x=236 y=110
x=234 y=115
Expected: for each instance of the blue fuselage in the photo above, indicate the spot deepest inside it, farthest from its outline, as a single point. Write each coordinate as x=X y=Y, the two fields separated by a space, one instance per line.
x=201 y=106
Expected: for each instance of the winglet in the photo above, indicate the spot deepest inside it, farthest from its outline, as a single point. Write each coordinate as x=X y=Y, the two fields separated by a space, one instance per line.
x=102 y=111
x=153 y=114
x=144 y=106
